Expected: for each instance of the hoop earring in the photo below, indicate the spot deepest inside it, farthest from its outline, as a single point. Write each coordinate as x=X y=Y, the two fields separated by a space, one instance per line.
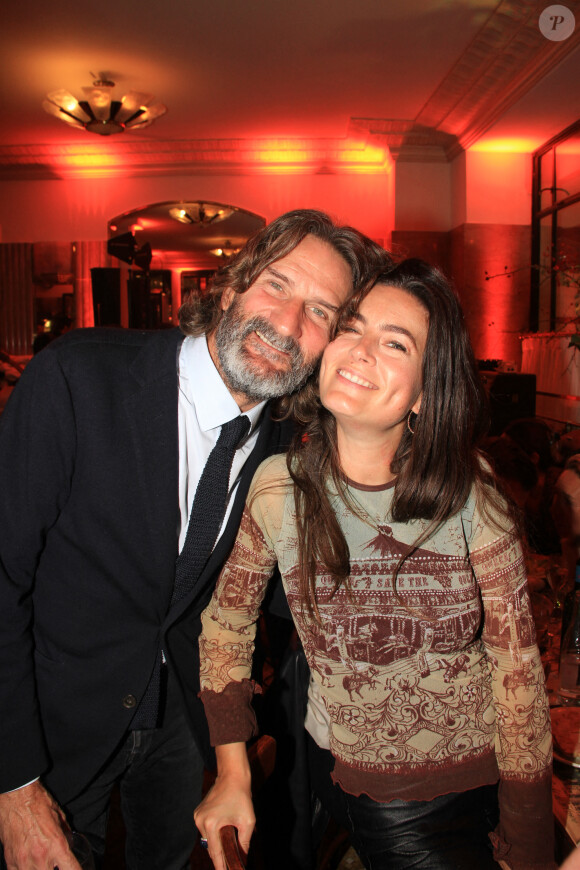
x=409 y=427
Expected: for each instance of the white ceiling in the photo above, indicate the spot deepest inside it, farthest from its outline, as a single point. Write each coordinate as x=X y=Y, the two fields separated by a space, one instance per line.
x=432 y=75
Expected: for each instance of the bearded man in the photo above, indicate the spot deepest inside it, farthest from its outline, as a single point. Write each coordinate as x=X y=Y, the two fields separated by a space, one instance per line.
x=103 y=446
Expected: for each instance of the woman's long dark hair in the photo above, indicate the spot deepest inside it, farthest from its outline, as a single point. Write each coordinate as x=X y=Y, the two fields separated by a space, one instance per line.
x=435 y=467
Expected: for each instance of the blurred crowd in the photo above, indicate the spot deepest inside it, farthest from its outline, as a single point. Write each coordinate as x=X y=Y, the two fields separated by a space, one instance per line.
x=540 y=470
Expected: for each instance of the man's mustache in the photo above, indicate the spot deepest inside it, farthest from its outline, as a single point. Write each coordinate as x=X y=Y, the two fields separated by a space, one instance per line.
x=286 y=344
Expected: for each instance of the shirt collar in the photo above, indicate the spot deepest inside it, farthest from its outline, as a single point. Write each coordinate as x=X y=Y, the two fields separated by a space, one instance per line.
x=203 y=387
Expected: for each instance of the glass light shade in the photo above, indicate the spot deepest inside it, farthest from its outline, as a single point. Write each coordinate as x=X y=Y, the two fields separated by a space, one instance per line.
x=59 y=113
x=65 y=100
x=180 y=214
x=150 y=114
x=225 y=251
x=131 y=103
x=99 y=99
x=200 y=213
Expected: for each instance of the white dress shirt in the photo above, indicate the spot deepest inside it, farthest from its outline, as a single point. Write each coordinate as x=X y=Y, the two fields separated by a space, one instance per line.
x=204 y=405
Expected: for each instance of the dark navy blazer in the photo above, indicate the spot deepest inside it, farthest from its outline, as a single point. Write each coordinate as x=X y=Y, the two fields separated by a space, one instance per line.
x=88 y=540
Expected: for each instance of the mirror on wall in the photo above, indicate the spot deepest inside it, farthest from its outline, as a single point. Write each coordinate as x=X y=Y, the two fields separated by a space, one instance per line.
x=173 y=248
x=184 y=234
x=166 y=250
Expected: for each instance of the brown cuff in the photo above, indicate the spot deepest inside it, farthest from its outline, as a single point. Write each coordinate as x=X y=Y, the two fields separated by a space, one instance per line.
x=524 y=837
x=230 y=714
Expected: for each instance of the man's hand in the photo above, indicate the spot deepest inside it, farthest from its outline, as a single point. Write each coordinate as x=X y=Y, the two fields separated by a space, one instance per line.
x=229 y=802
x=33 y=831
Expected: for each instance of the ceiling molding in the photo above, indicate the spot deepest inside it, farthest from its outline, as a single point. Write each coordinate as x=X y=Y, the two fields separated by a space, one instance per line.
x=507 y=57
x=406 y=140
x=353 y=154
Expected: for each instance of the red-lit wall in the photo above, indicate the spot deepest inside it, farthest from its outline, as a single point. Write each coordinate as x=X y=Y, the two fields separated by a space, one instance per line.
x=482 y=226
x=78 y=209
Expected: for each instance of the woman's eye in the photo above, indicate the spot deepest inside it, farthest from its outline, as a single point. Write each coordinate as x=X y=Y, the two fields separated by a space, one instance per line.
x=397 y=345
x=276 y=286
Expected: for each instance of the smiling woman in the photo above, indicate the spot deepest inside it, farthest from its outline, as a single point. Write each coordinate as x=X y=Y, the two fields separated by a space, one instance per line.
x=371 y=378
x=406 y=581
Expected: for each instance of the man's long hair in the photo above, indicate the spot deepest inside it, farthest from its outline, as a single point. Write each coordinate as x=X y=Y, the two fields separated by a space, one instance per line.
x=435 y=467
x=201 y=313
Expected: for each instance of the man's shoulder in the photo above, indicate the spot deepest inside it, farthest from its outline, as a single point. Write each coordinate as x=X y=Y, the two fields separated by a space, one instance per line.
x=99 y=338
x=102 y=349
x=84 y=358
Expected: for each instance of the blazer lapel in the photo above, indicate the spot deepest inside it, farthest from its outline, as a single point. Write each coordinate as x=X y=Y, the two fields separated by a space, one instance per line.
x=152 y=414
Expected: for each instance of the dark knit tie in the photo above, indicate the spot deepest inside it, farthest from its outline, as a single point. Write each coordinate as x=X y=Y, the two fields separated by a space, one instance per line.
x=208 y=508
x=205 y=520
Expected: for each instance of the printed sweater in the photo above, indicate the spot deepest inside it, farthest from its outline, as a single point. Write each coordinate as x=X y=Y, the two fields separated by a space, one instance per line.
x=432 y=688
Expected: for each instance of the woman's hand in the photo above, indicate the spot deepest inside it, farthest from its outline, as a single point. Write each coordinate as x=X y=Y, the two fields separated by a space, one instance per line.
x=229 y=802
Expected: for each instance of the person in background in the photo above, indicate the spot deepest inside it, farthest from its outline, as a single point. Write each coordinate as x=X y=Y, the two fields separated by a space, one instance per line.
x=513 y=467
x=566 y=512
x=59 y=324
x=566 y=500
x=566 y=445
x=406 y=581
x=535 y=437
x=106 y=440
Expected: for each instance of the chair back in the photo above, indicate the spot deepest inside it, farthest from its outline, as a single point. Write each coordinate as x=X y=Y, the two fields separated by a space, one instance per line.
x=235 y=860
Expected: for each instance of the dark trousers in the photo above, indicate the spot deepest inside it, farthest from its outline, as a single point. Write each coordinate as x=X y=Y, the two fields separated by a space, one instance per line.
x=449 y=832
x=159 y=773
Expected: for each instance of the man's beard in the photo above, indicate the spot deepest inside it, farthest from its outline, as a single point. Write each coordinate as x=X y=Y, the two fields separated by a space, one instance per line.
x=243 y=372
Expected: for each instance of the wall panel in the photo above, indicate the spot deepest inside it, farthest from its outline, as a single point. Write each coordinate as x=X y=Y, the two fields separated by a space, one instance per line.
x=16 y=299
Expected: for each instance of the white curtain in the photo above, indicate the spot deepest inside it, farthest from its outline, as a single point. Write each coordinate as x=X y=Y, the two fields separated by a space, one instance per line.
x=557 y=369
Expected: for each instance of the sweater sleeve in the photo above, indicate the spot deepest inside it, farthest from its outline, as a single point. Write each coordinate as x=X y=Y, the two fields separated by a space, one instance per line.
x=524 y=837
x=226 y=644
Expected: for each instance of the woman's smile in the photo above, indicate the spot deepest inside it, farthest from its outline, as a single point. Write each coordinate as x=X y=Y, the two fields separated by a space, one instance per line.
x=356 y=379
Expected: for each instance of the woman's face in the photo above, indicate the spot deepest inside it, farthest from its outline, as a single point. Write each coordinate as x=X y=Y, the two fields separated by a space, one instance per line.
x=371 y=374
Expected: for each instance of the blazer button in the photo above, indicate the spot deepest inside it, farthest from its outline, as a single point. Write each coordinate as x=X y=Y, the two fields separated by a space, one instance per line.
x=129 y=701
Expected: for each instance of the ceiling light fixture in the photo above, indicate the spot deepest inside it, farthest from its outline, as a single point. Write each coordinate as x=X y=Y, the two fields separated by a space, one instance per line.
x=226 y=251
x=100 y=113
x=203 y=213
